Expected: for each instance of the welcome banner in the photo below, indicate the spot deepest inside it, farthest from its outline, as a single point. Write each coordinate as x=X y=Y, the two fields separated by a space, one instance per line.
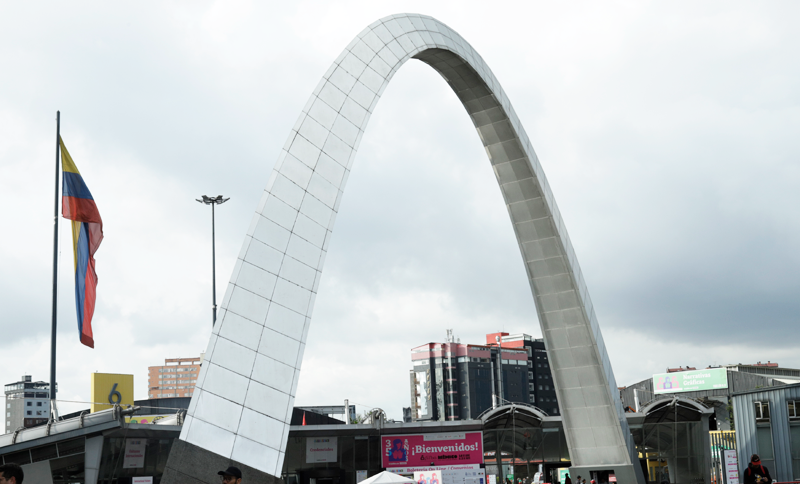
x=436 y=449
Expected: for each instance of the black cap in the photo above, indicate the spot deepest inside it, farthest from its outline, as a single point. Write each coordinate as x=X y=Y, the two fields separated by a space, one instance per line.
x=231 y=471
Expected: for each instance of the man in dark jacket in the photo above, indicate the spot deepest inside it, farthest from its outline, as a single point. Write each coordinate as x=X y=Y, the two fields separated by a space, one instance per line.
x=756 y=473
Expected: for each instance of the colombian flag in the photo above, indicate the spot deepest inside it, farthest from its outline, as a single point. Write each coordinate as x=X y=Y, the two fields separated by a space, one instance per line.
x=78 y=205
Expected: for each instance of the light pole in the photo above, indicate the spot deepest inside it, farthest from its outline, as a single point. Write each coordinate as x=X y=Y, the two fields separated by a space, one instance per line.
x=218 y=200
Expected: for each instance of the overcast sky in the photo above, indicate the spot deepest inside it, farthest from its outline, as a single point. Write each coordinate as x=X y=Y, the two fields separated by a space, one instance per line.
x=668 y=133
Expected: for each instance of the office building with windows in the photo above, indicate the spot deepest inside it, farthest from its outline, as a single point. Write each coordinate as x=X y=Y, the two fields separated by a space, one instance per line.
x=27 y=403
x=176 y=378
x=454 y=381
x=541 y=390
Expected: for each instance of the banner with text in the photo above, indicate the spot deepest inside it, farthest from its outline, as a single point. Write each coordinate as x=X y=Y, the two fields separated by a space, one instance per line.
x=134 y=453
x=436 y=449
x=322 y=449
x=690 y=381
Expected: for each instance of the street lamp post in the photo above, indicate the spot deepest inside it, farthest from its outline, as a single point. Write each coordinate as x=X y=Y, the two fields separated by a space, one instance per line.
x=218 y=200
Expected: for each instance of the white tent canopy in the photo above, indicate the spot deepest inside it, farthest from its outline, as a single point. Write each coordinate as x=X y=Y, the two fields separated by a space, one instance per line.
x=387 y=477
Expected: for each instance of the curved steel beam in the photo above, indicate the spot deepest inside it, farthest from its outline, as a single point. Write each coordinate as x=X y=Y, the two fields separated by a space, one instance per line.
x=243 y=400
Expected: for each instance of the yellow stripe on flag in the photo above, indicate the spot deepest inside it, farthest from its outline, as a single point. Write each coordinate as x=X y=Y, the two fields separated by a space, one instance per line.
x=66 y=161
x=76 y=232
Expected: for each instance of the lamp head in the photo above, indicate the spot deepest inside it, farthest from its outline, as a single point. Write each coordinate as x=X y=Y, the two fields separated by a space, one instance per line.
x=218 y=200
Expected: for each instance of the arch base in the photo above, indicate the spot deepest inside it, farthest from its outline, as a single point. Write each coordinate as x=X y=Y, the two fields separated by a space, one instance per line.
x=190 y=464
x=625 y=473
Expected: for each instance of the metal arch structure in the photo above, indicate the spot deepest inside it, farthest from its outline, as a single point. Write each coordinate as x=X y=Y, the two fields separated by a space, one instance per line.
x=243 y=399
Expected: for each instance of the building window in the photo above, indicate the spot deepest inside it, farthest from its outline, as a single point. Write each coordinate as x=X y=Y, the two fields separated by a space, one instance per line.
x=794 y=411
x=38 y=404
x=29 y=412
x=762 y=411
x=30 y=404
x=540 y=387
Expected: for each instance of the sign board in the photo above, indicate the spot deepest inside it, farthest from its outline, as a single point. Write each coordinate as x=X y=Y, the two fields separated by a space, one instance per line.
x=690 y=381
x=436 y=449
x=612 y=478
x=321 y=449
x=143 y=480
x=360 y=476
x=411 y=470
x=731 y=466
x=464 y=476
x=563 y=472
x=134 y=453
x=110 y=388
x=491 y=479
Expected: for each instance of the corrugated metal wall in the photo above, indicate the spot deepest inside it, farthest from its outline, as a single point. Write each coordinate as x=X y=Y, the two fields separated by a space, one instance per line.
x=746 y=441
x=737 y=382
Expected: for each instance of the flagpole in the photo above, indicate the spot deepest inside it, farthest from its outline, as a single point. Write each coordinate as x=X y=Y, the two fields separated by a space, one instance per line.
x=53 y=408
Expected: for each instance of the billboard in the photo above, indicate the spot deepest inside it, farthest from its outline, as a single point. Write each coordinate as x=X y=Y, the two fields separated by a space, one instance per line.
x=435 y=449
x=690 y=381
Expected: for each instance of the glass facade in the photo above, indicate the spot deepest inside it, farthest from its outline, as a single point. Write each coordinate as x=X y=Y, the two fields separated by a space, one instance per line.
x=673 y=439
x=112 y=468
x=522 y=449
x=354 y=453
x=674 y=450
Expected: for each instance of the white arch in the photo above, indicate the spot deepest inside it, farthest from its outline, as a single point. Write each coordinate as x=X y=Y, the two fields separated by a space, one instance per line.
x=245 y=392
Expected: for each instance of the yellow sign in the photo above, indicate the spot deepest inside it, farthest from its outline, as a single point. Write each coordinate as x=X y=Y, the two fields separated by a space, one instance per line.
x=111 y=388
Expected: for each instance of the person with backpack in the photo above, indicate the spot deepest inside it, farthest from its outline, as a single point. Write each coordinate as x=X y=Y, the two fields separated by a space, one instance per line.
x=756 y=473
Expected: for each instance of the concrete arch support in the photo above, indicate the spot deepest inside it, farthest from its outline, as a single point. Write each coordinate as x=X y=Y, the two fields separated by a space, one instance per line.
x=243 y=401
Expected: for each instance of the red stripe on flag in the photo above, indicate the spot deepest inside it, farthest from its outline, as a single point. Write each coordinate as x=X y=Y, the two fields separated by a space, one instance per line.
x=80 y=209
x=90 y=294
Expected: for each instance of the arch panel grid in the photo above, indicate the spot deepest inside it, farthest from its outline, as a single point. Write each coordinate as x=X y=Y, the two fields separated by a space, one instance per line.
x=245 y=392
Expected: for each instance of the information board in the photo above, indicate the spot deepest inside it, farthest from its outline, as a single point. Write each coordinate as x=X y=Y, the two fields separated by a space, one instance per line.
x=134 y=453
x=322 y=449
x=690 y=381
x=731 y=467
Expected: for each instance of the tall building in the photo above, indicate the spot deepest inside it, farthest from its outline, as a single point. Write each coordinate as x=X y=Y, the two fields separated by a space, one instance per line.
x=454 y=381
x=27 y=403
x=176 y=378
x=541 y=390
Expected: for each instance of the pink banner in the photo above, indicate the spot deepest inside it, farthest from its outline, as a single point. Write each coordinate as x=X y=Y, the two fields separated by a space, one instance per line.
x=439 y=449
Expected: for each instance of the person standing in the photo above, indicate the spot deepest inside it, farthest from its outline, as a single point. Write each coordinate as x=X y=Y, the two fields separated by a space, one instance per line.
x=756 y=473
x=567 y=480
